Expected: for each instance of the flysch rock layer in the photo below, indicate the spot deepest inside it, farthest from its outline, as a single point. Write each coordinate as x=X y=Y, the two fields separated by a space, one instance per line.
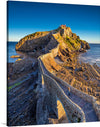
x=25 y=79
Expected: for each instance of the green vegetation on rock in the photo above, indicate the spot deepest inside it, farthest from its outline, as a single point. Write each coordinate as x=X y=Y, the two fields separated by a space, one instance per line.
x=16 y=84
x=63 y=35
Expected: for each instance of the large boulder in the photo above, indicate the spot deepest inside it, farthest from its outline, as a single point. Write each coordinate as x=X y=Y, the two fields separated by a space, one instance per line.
x=22 y=67
x=85 y=45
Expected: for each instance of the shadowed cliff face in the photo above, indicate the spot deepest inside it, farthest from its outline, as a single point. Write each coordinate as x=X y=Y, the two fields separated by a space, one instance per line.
x=48 y=40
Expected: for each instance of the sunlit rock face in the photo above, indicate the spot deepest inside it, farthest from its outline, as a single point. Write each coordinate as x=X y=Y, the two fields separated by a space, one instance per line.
x=47 y=40
x=65 y=31
x=33 y=42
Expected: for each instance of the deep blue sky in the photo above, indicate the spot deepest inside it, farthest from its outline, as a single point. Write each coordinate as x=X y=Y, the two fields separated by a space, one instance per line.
x=28 y=17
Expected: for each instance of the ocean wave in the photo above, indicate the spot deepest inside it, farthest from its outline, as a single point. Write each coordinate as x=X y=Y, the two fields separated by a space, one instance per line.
x=98 y=60
x=90 y=60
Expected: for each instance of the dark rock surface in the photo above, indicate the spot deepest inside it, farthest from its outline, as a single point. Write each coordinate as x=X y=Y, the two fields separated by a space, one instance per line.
x=21 y=107
x=22 y=66
x=22 y=95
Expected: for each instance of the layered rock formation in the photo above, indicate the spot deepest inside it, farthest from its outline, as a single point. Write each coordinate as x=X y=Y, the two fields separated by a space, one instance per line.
x=63 y=45
x=69 y=42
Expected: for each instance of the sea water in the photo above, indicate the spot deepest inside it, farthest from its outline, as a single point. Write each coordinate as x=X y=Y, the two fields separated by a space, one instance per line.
x=92 y=55
x=11 y=51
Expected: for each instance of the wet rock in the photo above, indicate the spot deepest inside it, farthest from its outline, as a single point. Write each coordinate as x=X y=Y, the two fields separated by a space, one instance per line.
x=82 y=50
x=18 y=59
x=16 y=56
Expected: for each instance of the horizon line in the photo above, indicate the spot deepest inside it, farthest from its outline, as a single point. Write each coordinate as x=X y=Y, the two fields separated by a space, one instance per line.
x=88 y=42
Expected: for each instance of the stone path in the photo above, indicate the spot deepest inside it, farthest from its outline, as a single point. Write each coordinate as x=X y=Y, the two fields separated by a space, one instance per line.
x=86 y=106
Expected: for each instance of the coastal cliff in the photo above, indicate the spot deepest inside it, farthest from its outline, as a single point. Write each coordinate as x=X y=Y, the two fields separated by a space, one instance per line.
x=69 y=42
x=58 y=50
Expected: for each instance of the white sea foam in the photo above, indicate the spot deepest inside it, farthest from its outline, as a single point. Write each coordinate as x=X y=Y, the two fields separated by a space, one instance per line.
x=91 y=56
x=98 y=60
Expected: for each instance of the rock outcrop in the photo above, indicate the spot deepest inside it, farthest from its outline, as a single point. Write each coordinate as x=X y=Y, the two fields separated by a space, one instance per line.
x=47 y=40
x=16 y=56
x=85 y=45
x=21 y=67
x=25 y=76
x=33 y=42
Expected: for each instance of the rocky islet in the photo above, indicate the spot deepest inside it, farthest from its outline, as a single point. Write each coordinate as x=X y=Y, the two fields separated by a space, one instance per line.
x=33 y=46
